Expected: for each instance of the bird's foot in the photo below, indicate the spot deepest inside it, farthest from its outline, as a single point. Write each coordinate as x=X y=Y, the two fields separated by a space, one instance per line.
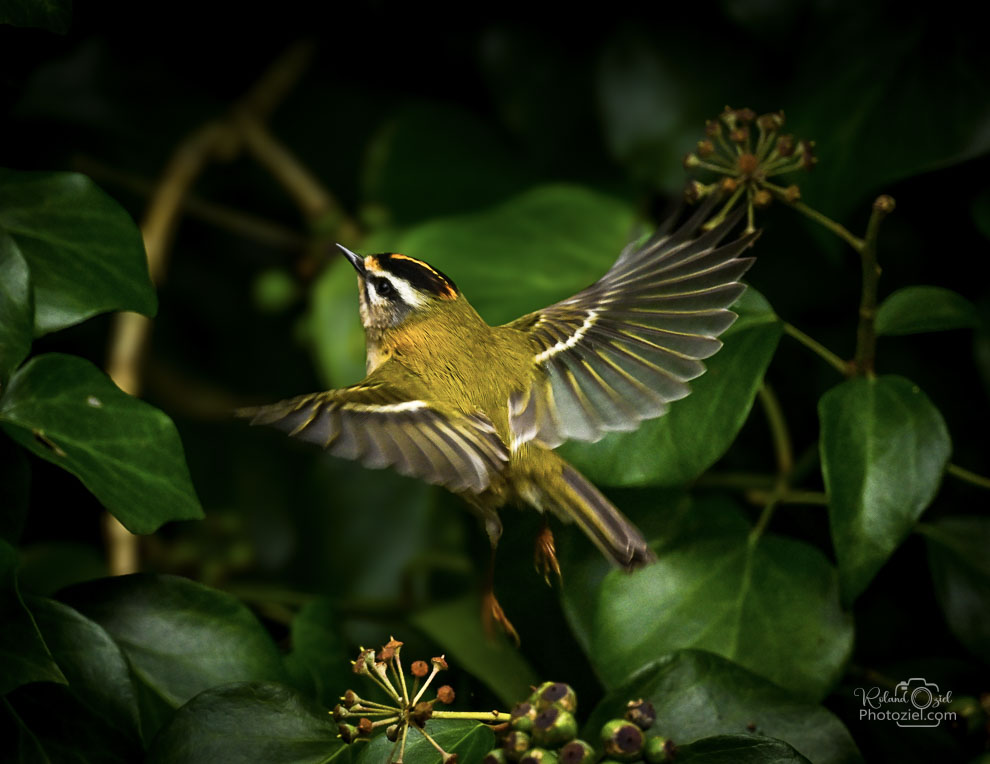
x=545 y=555
x=492 y=614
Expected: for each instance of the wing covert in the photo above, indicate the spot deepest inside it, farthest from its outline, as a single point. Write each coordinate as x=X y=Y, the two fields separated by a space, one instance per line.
x=621 y=350
x=376 y=424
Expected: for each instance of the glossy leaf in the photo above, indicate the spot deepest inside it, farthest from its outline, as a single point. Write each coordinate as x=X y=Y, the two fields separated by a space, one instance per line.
x=469 y=740
x=53 y=15
x=24 y=655
x=699 y=429
x=16 y=308
x=180 y=637
x=884 y=447
x=957 y=554
x=739 y=749
x=457 y=628
x=94 y=666
x=127 y=453
x=467 y=165
x=319 y=664
x=249 y=722
x=698 y=695
x=83 y=250
x=770 y=605
x=918 y=309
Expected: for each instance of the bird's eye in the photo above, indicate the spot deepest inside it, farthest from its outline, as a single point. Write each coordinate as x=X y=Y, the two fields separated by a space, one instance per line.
x=384 y=287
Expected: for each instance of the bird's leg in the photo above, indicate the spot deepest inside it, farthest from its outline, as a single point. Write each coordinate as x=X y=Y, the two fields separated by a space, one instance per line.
x=545 y=553
x=491 y=610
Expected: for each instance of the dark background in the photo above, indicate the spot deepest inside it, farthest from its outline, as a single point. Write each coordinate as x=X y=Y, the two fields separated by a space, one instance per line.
x=484 y=106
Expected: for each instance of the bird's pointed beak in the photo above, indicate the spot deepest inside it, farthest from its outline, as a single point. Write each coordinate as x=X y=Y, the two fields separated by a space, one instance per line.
x=356 y=260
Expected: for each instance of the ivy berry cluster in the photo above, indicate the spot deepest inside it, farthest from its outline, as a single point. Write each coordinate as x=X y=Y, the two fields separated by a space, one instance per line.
x=543 y=730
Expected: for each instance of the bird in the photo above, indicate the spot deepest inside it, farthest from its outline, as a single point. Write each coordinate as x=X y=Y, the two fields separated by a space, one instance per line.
x=479 y=409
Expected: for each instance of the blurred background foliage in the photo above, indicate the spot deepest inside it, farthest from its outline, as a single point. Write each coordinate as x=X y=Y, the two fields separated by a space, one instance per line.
x=519 y=154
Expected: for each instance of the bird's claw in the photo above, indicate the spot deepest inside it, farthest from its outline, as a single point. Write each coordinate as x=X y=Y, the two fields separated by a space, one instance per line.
x=545 y=555
x=492 y=614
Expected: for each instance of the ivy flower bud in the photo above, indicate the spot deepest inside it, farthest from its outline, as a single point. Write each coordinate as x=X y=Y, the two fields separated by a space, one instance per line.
x=522 y=717
x=496 y=756
x=515 y=744
x=419 y=669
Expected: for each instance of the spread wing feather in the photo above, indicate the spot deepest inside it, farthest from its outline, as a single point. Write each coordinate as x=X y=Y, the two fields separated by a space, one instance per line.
x=621 y=350
x=376 y=424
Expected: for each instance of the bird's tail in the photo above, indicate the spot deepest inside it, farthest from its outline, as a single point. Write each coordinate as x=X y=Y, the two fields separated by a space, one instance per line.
x=575 y=498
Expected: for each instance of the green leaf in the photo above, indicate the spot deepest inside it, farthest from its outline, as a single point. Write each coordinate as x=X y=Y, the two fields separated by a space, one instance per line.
x=884 y=447
x=180 y=637
x=539 y=247
x=334 y=322
x=456 y=627
x=698 y=430
x=698 y=694
x=248 y=722
x=16 y=309
x=467 y=164
x=770 y=604
x=24 y=656
x=319 y=664
x=866 y=143
x=127 y=453
x=83 y=250
x=957 y=555
x=917 y=309
x=469 y=740
x=739 y=749
x=96 y=670
x=53 y=15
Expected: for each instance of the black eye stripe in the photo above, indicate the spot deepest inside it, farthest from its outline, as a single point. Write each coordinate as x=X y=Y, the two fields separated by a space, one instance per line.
x=420 y=276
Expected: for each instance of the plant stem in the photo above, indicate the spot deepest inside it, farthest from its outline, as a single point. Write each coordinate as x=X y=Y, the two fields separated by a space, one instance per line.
x=817 y=498
x=819 y=349
x=866 y=337
x=778 y=430
x=478 y=716
x=837 y=228
x=970 y=477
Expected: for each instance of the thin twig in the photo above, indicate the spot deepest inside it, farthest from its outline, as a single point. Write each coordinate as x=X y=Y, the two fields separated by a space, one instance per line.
x=866 y=337
x=970 y=477
x=843 y=367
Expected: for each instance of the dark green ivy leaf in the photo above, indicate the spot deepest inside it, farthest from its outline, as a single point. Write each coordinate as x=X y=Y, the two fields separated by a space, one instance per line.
x=917 y=309
x=83 y=251
x=53 y=15
x=960 y=563
x=469 y=740
x=698 y=694
x=884 y=447
x=739 y=749
x=180 y=637
x=16 y=309
x=249 y=722
x=126 y=452
x=24 y=656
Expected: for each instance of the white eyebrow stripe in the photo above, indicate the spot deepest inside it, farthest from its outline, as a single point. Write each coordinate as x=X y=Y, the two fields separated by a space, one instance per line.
x=407 y=294
x=571 y=341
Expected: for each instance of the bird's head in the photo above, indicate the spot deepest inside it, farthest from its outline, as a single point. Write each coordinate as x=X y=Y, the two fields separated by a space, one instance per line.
x=395 y=288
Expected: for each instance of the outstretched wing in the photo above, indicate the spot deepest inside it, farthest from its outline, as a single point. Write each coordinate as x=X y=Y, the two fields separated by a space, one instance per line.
x=619 y=351
x=378 y=425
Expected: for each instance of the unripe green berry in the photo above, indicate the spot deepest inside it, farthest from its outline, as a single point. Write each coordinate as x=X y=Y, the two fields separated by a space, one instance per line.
x=522 y=717
x=658 y=749
x=554 y=727
x=539 y=756
x=515 y=744
x=622 y=739
x=557 y=694
x=496 y=756
x=576 y=752
x=348 y=732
